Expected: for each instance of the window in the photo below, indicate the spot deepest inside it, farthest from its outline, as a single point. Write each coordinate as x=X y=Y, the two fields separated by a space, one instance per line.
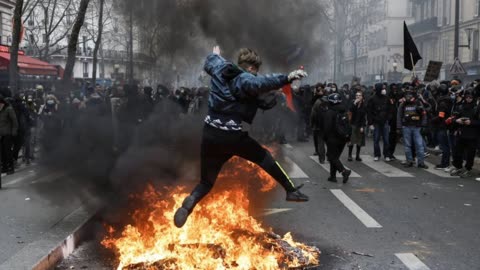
x=84 y=44
x=85 y=69
x=477 y=7
x=445 y=50
x=1 y=24
x=433 y=8
x=475 y=46
x=447 y=11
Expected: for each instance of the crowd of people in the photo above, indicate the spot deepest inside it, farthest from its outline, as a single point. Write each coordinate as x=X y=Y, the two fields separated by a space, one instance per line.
x=439 y=117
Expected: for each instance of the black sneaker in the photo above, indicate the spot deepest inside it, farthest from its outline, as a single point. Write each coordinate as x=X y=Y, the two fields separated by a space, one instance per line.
x=350 y=158
x=440 y=167
x=358 y=159
x=321 y=161
x=332 y=179
x=345 y=175
x=422 y=166
x=315 y=154
x=393 y=158
x=183 y=212
x=408 y=164
x=297 y=196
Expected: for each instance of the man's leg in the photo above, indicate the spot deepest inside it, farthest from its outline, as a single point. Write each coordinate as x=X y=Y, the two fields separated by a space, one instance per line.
x=392 y=142
x=419 y=146
x=321 y=148
x=385 y=135
x=470 y=153
x=407 y=144
x=458 y=152
x=249 y=149
x=376 y=141
x=315 y=140
x=212 y=156
x=442 y=138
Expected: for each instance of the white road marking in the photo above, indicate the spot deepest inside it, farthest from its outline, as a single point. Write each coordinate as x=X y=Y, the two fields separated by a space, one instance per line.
x=293 y=170
x=272 y=211
x=48 y=177
x=365 y=218
x=19 y=179
x=384 y=168
x=289 y=146
x=411 y=261
x=326 y=166
x=441 y=173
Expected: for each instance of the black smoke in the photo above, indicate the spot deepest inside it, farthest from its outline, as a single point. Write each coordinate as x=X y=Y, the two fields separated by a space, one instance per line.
x=286 y=33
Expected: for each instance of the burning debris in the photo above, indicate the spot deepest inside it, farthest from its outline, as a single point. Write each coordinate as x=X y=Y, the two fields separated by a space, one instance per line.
x=220 y=233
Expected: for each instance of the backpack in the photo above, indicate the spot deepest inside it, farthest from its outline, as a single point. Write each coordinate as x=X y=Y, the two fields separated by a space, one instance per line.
x=342 y=125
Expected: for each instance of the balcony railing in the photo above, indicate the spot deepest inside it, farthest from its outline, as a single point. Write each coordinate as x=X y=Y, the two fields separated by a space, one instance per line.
x=428 y=25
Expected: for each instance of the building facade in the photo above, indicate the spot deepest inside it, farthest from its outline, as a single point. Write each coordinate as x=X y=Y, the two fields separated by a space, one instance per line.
x=434 y=33
x=378 y=55
x=6 y=14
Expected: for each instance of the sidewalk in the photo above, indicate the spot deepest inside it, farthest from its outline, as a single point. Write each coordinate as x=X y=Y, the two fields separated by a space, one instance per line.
x=33 y=202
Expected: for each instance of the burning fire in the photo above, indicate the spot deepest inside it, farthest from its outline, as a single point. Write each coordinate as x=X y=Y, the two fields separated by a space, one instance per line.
x=219 y=234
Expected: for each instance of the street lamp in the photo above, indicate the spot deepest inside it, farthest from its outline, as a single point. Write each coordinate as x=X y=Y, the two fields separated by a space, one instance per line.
x=468 y=31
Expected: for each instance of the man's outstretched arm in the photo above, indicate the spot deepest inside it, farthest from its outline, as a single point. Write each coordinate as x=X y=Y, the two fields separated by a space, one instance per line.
x=257 y=85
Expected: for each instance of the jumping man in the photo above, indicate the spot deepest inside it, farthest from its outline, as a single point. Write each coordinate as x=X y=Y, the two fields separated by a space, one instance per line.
x=234 y=98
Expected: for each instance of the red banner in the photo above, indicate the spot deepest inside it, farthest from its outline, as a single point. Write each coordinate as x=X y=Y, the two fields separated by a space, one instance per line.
x=287 y=90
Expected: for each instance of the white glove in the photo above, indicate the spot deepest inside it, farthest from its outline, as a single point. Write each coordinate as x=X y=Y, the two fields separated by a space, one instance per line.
x=297 y=75
x=216 y=50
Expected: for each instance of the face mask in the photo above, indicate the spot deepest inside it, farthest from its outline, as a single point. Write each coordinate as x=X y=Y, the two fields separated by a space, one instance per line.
x=384 y=92
x=50 y=102
x=452 y=96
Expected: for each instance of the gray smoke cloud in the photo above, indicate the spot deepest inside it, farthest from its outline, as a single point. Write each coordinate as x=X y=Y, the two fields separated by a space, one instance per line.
x=286 y=33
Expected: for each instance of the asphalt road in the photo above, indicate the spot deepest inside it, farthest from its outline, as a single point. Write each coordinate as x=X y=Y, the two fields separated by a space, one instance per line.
x=387 y=217
x=33 y=201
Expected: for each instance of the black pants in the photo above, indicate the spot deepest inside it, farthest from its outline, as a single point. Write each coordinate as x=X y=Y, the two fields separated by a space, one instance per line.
x=392 y=141
x=6 y=143
x=18 y=142
x=334 y=151
x=219 y=146
x=319 y=144
x=464 y=148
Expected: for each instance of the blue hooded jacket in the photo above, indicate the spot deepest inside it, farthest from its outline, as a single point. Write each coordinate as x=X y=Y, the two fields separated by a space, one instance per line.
x=234 y=92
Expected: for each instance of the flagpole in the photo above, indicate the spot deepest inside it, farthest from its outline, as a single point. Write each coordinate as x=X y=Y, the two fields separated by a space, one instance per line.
x=413 y=64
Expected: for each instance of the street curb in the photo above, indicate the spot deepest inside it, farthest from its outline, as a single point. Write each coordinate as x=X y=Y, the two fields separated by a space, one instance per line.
x=61 y=241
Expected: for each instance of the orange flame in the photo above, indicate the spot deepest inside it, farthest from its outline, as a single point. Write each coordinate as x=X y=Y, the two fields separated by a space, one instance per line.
x=219 y=234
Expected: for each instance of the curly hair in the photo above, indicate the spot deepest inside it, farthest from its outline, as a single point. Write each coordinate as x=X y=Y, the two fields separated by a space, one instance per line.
x=248 y=57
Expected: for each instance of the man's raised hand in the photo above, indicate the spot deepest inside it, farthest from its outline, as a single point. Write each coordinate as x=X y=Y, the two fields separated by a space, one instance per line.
x=216 y=50
x=297 y=75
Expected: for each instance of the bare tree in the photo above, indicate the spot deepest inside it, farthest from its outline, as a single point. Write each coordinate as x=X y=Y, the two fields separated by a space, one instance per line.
x=72 y=43
x=98 y=41
x=48 y=25
x=346 y=19
x=17 y=28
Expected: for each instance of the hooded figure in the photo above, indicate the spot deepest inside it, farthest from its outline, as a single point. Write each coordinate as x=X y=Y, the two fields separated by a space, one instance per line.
x=379 y=112
x=8 y=130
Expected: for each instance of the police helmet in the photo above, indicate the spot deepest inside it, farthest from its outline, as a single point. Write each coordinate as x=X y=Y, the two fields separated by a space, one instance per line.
x=334 y=98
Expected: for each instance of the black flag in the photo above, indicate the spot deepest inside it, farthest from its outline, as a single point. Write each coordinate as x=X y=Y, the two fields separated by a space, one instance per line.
x=410 y=51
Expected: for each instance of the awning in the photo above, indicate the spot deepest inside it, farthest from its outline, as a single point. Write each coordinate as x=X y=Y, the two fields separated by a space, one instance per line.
x=28 y=65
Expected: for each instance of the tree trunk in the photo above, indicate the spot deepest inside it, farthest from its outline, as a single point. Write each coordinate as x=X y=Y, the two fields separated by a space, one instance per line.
x=97 y=43
x=72 y=44
x=17 y=28
x=130 y=64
